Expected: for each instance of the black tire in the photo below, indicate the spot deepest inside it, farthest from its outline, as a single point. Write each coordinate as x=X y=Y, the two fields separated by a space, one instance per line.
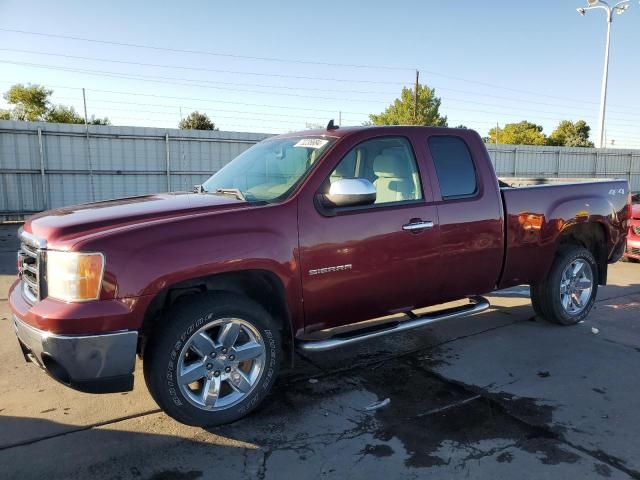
x=167 y=345
x=536 y=300
x=546 y=297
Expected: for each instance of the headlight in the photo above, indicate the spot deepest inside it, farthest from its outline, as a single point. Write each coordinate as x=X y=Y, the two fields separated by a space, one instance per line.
x=74 y=276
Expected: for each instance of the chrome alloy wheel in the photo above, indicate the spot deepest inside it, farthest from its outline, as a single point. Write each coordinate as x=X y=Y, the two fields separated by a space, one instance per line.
x=221 y=364
x=576 y=285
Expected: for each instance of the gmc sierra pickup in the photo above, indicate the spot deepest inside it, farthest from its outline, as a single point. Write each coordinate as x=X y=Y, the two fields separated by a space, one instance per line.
x=310 y=240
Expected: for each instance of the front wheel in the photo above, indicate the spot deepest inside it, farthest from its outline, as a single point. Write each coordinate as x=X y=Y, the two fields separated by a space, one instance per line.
x=568 y=293
x=214 y=360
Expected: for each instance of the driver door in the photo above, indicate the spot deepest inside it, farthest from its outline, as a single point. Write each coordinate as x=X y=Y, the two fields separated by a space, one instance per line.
x=365 y=262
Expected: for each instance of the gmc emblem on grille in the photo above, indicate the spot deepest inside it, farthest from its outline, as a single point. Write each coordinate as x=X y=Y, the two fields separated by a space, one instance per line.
x=336 y=268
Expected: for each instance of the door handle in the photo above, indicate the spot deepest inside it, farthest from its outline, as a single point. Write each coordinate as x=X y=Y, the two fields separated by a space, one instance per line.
x=417 y=225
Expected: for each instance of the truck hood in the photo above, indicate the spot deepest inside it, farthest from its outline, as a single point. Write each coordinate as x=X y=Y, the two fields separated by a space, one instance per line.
x=64 y=224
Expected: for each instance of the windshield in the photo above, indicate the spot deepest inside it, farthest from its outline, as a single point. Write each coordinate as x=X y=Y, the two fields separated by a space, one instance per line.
x=268 y=170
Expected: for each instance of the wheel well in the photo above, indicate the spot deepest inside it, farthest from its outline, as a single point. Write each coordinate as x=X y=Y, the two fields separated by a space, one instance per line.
x=261 y=286
x=593 y=237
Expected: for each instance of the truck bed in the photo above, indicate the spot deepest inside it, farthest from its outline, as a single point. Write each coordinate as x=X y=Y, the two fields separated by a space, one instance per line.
x=536 y=210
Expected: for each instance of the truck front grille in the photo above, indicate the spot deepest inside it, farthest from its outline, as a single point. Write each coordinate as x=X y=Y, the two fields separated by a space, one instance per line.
x=633 y=251
x=31 y=271
x=636 y=229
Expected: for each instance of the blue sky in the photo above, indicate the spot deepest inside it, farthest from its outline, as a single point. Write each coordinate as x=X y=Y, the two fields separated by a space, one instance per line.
x=493 y=61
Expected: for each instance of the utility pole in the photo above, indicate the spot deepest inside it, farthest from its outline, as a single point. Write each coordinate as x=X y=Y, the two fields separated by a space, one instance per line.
x=86 y=129
x=415 y=99
x=496 y=133
x=340 y=118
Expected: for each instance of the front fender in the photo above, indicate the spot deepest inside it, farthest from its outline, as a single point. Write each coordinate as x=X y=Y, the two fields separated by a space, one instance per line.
x=146 y=258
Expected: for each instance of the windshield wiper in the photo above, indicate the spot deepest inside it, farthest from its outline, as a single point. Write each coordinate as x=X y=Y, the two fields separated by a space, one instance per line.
x=232 y=191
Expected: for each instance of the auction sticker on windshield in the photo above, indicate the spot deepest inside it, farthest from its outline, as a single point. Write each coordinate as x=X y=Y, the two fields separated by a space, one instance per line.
x=312 y=143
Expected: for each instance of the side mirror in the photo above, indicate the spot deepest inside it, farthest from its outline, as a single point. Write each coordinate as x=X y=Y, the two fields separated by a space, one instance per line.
x=350 y=192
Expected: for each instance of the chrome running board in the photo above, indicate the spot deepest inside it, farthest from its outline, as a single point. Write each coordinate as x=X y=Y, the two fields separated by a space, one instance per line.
x=478 y=304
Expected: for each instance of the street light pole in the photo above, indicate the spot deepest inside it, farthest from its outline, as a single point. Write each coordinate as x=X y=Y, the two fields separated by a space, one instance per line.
x=605 y=79
x=618 y=8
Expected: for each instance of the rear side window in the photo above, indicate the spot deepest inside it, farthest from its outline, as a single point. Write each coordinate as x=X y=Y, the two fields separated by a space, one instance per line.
x=454 y=166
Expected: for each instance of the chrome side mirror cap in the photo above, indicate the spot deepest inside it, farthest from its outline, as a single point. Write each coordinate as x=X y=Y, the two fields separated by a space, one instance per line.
x=350 y=192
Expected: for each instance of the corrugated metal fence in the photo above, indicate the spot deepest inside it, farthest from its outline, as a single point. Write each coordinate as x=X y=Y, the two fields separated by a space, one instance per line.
x=45 y=165
x=534 y=161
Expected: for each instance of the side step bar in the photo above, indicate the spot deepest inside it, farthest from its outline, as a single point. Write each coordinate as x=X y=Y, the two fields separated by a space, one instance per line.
x=478 y=304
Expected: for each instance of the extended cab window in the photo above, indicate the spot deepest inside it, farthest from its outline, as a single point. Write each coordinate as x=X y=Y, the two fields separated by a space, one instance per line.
x=386 y=162
x=454 y=166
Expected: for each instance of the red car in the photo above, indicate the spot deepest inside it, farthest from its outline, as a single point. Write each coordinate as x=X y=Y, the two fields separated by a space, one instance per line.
x=633 y=240
x=312 y=240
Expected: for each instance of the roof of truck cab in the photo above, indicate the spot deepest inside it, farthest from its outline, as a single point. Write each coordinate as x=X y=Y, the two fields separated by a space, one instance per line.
x=346 y=131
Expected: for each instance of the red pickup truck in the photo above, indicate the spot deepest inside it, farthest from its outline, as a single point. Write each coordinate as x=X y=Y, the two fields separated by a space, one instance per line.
x=311 y=240
x=633 y=240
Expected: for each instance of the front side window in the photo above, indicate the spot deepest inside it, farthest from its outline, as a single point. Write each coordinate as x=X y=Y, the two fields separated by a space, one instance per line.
x=270 y=169
x=454 y=166
x=388 y=163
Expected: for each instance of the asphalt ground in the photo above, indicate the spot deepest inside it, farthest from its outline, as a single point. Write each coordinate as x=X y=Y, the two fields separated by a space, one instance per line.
x=498 y=395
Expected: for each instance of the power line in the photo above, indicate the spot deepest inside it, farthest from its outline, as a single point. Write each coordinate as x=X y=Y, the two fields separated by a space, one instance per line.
x=152 y=78
x=493 y=113
x=556 y=105
x=275 y=59
x=204 y=52
x=216 y=110
x=521 y=100
x=136 y=94
x=203 y=69
x=258 y=113
x=169 y=80
x=177 y=81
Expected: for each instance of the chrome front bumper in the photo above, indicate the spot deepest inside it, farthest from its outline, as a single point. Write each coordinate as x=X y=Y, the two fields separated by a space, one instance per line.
x=92 y=363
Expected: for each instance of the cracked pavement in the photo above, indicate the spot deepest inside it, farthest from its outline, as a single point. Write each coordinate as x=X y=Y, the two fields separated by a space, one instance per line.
x=497 y=395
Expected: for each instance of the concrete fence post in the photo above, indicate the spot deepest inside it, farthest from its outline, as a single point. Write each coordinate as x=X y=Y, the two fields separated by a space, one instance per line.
x=515 y=162
x=558 y=164
x=43 y=178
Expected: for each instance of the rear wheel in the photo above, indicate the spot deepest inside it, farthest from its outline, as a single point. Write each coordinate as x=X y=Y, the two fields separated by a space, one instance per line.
x=568 y=293
x=214 y=360
x=536 y=300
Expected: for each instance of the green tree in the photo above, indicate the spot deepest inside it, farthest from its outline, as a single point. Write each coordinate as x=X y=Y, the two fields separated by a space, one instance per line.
x=522 y=133
x=197 y=121
x=570 y=134
x=401 y=111
x=62 y=114
x=463 y=127
x=99 y=121
x=30 y=102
